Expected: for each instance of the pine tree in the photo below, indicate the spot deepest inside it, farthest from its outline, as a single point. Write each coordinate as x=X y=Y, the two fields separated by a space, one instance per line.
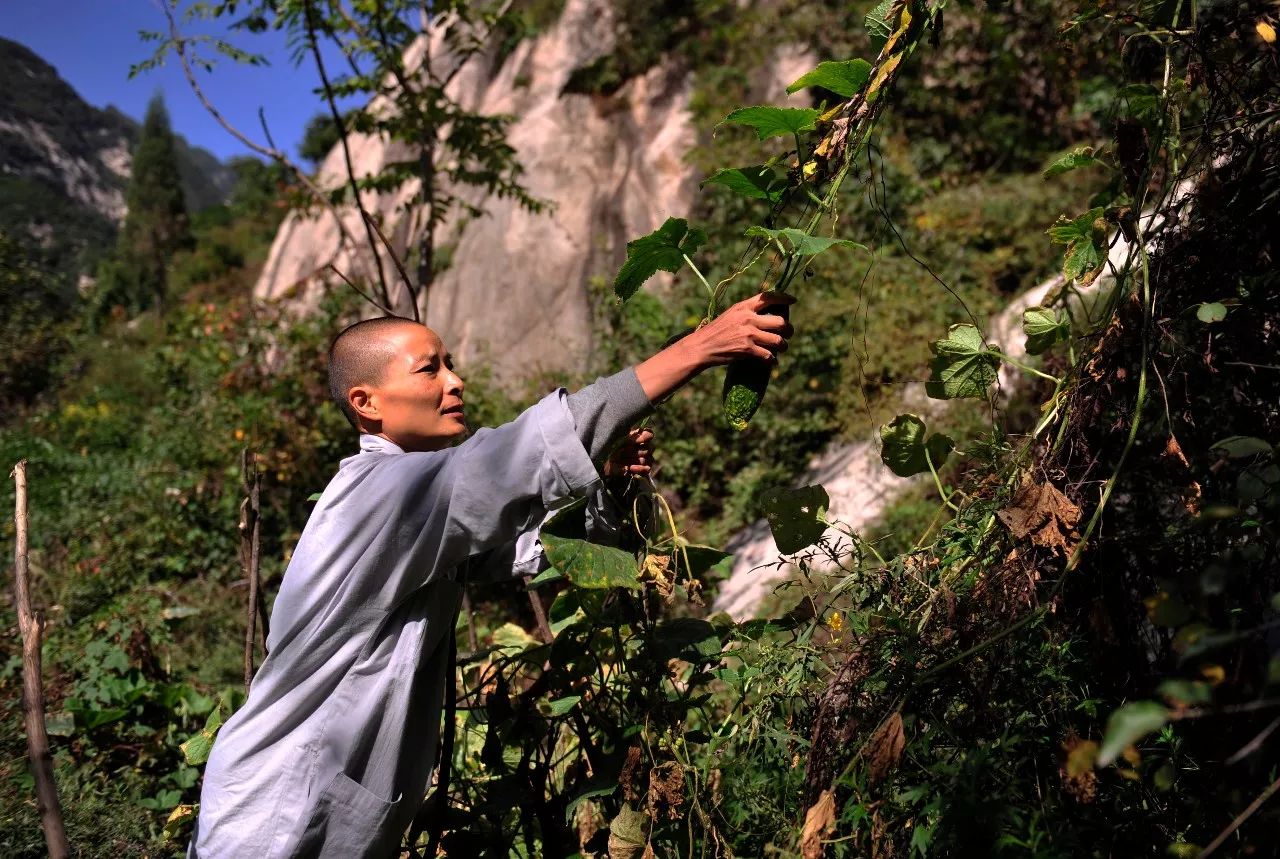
x=156 y=225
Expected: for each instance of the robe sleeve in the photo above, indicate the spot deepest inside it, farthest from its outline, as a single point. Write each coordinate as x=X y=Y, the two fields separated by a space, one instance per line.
x=454 y=504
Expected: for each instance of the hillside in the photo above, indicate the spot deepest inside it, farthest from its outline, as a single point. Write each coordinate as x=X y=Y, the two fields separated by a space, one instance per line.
x=65 y=163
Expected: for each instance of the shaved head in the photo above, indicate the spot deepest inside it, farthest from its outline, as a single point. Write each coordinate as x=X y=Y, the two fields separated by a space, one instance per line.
x=359 y=356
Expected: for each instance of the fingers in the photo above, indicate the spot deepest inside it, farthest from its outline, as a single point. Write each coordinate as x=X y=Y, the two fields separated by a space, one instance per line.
x=766 y=299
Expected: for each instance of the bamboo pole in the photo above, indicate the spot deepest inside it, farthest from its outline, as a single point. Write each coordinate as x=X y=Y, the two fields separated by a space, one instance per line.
x=31 y=626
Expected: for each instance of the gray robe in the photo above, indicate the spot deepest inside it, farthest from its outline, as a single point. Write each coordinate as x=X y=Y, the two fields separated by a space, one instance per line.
x=331 y=754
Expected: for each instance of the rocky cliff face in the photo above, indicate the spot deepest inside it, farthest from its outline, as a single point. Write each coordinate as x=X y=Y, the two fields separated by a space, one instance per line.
x=611 y=167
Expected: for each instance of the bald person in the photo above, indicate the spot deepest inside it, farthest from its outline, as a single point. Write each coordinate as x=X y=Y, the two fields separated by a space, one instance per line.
x=332 y=753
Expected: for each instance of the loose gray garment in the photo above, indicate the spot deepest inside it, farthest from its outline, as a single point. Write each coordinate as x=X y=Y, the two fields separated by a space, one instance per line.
x=331 y=754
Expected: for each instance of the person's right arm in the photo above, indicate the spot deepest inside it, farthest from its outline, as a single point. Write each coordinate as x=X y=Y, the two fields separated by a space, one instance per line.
x=502 y=481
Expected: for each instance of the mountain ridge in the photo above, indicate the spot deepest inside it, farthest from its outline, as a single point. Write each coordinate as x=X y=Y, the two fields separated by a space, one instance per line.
x=64 y=164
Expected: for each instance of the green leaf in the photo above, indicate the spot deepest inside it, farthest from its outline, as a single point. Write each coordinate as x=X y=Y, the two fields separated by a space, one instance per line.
x=1241 y=446
x=561 y=706
x=607 y=787
x=1140 y=101
x=1044 y=328
x=755 y=183
x=588 y=565
x=1082 y=157
x=879 y=27
x=1085 y=238
x=775 y=121
x=511 y=639
x=964 y=366
x=550 y=574
x=1129 y=724
x=800 y=243
x=196 y=749
x=796 y=516
x=842 y=78
x=904 y=445
x=662 y=250
x=706 y=561
x=566 y=609
x=1211 y=311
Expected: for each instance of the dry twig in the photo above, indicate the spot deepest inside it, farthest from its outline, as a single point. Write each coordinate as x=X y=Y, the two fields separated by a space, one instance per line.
x=31 y=626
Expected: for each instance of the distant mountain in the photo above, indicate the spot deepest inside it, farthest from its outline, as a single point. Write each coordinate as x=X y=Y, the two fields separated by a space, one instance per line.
x=64 y=164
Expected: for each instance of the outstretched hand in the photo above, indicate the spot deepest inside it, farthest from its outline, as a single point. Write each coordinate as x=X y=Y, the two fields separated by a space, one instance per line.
x=745 y=330
x=634 y=456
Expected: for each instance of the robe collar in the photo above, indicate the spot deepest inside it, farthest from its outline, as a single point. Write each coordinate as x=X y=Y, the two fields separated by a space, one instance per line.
x=377 y=444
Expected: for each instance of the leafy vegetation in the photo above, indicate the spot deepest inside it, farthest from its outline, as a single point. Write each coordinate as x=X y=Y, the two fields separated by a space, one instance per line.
x=1066 y=655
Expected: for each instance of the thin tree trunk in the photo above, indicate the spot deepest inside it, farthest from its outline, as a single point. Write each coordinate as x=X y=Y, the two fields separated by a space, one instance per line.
x=250 y=530
x=427 y=241
x=31 y=626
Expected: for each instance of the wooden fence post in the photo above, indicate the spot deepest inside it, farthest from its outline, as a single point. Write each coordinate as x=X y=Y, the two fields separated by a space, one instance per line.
x=250 y=533
x=31 y=625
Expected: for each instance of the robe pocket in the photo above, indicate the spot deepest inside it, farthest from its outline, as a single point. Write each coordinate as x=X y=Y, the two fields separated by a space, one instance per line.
x=351 y=822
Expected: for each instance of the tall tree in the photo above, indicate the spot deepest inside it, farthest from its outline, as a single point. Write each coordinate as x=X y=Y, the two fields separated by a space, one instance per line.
x=156 y=226
x=398 y=57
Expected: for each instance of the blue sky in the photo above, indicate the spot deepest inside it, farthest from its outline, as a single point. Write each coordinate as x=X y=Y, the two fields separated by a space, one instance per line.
x=92 y=43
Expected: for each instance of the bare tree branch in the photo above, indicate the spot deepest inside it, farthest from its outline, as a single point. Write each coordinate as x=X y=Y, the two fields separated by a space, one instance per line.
x=360 y=292
x=314 y=43
x=271 y=151
x=250 y=536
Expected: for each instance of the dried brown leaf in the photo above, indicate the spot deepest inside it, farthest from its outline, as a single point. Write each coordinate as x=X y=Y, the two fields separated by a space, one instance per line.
x=884 y=749
x=1041 y=512
x=818 y=823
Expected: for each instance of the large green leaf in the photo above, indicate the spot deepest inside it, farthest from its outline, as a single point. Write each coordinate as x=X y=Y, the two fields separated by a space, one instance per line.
x=1044 y=328
x=588 y=565
x=662 y=250
x=842 y=78
x=964 y=366
x=878 y=23
x=1082 y=157
x=903 y=446
x=1129 y=724
x=1086 y=239
x=196 y=749
x=796 y=516
x=800 y=243
x=775 y=121
x=1240 y=446
x=756 y=183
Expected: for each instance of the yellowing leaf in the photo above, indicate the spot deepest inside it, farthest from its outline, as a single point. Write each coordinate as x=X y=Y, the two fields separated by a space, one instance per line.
x=1266 y=32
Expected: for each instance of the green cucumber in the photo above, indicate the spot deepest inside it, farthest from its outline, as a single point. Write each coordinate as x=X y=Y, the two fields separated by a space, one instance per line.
x=746 y=381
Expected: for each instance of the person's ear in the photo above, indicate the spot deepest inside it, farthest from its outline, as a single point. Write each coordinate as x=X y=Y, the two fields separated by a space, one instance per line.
x=365 y=404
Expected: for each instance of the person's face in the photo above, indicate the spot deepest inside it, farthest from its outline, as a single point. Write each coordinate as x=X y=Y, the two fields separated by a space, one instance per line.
x=418 y=403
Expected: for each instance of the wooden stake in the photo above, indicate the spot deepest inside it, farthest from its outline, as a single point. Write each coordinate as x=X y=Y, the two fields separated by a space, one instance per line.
x=31 y=626
x=250 y=533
